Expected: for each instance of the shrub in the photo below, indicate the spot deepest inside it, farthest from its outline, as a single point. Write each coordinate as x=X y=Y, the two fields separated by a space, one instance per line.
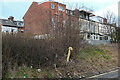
x=22 y=49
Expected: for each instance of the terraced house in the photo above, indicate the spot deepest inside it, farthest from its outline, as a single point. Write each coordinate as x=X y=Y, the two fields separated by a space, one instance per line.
x=11 y=26
x=44 y=18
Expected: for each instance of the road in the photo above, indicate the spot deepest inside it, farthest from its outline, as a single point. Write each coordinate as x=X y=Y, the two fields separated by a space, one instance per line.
x=112 y=74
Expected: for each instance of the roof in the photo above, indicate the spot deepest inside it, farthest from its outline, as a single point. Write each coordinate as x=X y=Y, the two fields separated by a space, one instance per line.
x=6 y=22
x=39 y=3
x=69 y=9
x=85 y=11
x=59 y=3
x=100 y=17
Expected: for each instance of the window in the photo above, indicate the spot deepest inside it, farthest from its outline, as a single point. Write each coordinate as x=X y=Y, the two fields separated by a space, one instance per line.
x=61 y=15
x=63 y=23
x=22 y=31
x=12 y=30
x=93 y=28
x=86 y=16
x=88 y=36
x=71 y=13
x=96 y=28
x=86 y=26
x=71 y=23
x=96 y=36
x=67 y=17
x=53 y=21
x=66 y=12
x=53 y=6
x=91 y=36
x=101 y=38
x=61 y=8
x=19 y=24
x=58 y=18
x=106 y=38
x=6 y=21
x=80 y=16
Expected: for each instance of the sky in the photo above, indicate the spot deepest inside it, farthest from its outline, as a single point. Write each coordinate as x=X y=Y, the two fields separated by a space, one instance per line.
x=18 y=8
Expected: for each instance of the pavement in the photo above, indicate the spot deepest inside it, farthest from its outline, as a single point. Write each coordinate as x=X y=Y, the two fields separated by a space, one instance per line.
x=111 y=74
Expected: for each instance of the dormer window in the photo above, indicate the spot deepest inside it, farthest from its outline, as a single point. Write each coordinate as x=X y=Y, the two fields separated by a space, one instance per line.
x=53 y=6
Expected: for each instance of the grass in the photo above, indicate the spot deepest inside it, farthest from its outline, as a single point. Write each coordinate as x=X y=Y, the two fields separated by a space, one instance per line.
x=84 y=54
x=90 y=53
x=49 y=75
x=106 y=57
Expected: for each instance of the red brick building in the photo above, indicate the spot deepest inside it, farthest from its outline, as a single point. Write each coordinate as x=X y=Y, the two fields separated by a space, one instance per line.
x=50 y=17
x=41 y=18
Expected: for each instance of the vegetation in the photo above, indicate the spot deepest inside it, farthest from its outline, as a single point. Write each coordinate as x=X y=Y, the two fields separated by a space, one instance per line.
x=19 y=49
x=23 y=55
x=37 y=66
x=92 y=52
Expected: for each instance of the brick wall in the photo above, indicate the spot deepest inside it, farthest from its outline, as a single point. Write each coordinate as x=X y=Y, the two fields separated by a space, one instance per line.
x=37 y=19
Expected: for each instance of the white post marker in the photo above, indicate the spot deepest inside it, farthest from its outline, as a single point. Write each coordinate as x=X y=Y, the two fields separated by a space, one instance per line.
x=70 y=48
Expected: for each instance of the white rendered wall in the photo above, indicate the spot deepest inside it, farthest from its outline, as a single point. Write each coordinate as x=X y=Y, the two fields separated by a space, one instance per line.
x=9 y=29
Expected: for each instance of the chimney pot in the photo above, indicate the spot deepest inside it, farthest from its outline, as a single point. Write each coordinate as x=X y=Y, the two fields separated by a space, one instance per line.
x=104 y=20
x=11 y=18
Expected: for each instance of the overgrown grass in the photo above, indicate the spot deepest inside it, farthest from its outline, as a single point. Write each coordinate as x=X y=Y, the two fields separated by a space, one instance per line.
x=92 y=52
x=83 y=54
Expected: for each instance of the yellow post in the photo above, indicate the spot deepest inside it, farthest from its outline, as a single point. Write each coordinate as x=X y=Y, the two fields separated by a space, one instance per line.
x=70 y=48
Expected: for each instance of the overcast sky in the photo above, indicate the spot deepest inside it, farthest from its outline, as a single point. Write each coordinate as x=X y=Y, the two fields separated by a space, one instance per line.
x=18 y=8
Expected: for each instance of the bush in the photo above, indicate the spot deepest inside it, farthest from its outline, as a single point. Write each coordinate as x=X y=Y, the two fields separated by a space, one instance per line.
x=22 y=49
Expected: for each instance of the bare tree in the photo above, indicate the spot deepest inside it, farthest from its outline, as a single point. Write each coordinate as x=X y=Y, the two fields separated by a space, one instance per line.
x=110 y=16
x=111 y=20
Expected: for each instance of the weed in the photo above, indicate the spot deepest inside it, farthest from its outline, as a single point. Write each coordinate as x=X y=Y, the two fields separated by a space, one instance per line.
x=49 y=75
x=83 y=58
x=42 y=69
x=106 y=57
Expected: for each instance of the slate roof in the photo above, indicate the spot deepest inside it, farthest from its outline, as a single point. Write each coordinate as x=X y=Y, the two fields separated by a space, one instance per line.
x=85 y=11
x=6 y=22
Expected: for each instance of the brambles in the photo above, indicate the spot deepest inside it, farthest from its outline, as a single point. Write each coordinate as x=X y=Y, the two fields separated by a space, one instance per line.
x=21 y=49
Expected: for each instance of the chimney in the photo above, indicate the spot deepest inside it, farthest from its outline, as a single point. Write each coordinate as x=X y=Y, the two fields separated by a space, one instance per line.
x=114 y=24
x=11 y=18
x=104 y=20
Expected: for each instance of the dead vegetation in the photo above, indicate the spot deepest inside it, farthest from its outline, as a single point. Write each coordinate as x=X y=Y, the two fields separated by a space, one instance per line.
x=21 y=50
x=49 y=56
